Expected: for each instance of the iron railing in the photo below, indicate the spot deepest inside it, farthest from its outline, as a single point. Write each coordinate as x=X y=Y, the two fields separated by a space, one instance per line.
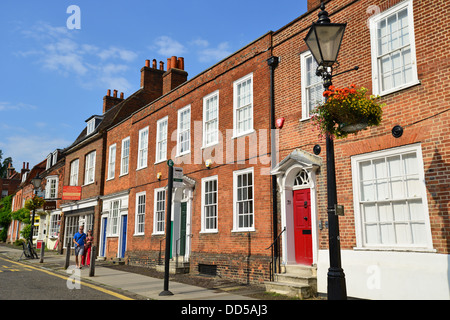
x=275 y=260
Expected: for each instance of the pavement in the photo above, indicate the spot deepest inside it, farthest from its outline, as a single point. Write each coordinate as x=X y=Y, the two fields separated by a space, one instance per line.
x=131 y=284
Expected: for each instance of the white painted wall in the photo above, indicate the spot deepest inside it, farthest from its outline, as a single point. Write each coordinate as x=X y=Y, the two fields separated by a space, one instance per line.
x=387 y=275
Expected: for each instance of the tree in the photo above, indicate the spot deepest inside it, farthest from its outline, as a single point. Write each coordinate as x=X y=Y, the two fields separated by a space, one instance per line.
x=4 y=165
x=5 y=216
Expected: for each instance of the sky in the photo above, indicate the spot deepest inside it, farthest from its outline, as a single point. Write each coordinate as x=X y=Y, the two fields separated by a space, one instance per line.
x=56 y=64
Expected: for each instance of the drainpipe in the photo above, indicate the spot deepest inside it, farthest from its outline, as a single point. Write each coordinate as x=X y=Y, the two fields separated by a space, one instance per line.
x=273 y=63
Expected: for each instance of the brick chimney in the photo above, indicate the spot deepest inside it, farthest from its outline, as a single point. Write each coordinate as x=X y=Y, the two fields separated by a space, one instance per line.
x=24 y=170
x=110 y=101
x=175 y=74
x=314 y=4
x=9 y=171
x=152 y=79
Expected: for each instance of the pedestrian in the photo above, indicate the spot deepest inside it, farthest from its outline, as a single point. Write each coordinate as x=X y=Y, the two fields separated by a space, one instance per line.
x=79 y=239
x=87 y=249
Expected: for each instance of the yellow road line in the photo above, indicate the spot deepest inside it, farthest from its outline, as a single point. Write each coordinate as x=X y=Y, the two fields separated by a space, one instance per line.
x=112 y=293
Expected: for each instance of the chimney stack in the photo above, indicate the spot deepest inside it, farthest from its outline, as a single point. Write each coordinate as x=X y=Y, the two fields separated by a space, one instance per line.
x=175 y=75
x=152 y=79
x=109 y=102
x=10 y=171
x=24 y=170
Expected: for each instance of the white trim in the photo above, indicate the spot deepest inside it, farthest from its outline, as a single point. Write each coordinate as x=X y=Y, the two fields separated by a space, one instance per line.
x=235 y=217
x=179 y=153
x=86 y=168
x=356 y=194
x=203 y=229
x=77 y=173
x=139 y=158
x=235 y=103
x=158 y=123
x=155 y=232
x=374 y=48
x=303 y=69
x=122 y=173
x=109 y=176
x=205 y=99
x=48 y=187
x=136 y=233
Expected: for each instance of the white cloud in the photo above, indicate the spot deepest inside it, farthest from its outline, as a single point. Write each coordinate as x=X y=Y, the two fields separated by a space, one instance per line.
x=169 y=47
x=58 y=50
x=214 y=54
x=4 y=106
x=29 y=148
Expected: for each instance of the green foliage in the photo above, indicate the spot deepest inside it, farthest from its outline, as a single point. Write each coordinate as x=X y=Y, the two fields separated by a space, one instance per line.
x=346 y=106
x=22 y=215
x=34 y=203
x=5 y=216
x=26 y=231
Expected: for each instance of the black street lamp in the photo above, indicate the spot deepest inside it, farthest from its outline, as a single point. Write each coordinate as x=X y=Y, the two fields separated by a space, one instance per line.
x=36 y=182
x=324 y=40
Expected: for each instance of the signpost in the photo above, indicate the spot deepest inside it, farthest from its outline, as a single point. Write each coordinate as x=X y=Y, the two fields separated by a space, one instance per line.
x=166 y=291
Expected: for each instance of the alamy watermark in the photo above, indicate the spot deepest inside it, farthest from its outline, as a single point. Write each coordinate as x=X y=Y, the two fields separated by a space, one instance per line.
x=74 y=20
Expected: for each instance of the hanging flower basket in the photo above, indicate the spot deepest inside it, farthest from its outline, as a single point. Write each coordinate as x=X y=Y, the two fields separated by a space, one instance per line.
x=347 y=110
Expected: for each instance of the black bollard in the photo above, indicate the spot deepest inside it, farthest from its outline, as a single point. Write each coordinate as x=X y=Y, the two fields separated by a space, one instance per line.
x=92 y=265
x=66 y=265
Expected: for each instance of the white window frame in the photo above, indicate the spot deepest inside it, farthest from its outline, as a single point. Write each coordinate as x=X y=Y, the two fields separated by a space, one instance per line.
x=236 y=83
x=143 y=149
x=355 y=160
x=306 y=114
x=206 y=99
x=163 y=141
x=112 y=161
x=236 y=227
x=55 y=224
x=180 y=133
x=155 y=212
x=88 y=177
x=54 y=157
x=203 y=215
x=74 y=170
x=376 y=75
x=125 y=158
x=90 y=126
x=114 y=218
x=48 y=187
x=48 y=164
x=137 y=224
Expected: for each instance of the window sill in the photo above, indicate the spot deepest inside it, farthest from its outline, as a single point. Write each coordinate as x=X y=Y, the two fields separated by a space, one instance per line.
x=109 y=179
x=138 y=234
x=123 y=175
x=160 y=161
x=158 y=234
x=183 y=154
x=395 y=90
x=210 y=145
x=138 y=169
x=243 y=230
x=243 y=134
x=88 y=184
x=209 y=232
x=401 y=249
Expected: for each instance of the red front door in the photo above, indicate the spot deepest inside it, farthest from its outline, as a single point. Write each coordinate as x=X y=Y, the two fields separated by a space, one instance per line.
x=302 y=226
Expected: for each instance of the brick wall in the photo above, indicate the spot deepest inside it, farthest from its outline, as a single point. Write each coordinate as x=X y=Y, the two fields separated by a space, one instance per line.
x=421 y=109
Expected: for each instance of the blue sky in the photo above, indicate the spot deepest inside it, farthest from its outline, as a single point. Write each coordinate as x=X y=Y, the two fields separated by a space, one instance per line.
x=53 y=78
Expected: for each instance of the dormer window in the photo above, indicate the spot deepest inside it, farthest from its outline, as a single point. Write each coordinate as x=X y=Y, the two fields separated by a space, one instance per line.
x=92 y=124
x=49 y=162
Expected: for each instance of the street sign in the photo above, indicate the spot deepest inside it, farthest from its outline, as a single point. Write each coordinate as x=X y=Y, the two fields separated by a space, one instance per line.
x=49 y=205
x=177 y=177
x=170 y=163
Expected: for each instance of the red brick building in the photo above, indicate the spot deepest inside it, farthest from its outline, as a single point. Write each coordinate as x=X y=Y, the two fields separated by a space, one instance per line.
x=85 y=160
x=394 y=235
x=214 y=126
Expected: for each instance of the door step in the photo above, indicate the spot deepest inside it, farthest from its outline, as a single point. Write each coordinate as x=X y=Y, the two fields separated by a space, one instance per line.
x=298 y=282
x=174 y=268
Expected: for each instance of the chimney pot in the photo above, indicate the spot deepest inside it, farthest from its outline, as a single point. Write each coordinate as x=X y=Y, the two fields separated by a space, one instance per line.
x=115 y=93
x=169 y=64
x=161 y=65
x=181 y=63
x=173 y=62
x=109 y=93
x=23 y=166
x=147 y=63
x=154 y=64
x=121 y=95
x=28 y=165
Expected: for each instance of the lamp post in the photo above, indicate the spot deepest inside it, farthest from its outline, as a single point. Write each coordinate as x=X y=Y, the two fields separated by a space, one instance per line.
x=324 y=41
x=36 y=182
